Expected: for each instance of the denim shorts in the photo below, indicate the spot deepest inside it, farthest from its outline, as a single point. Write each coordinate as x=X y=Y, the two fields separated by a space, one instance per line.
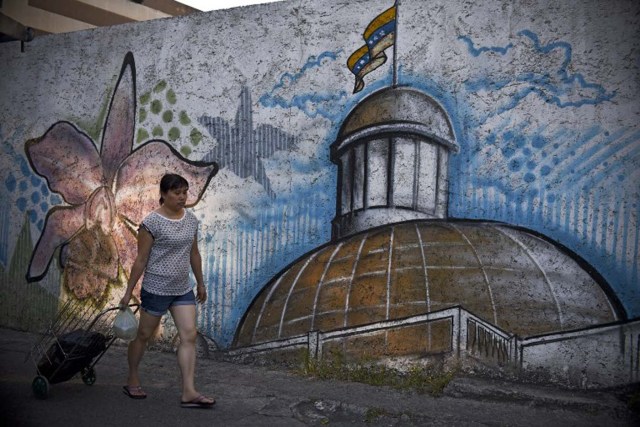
x=157 y=305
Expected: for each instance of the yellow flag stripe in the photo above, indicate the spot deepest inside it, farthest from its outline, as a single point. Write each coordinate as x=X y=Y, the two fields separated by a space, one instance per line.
x=380 y=20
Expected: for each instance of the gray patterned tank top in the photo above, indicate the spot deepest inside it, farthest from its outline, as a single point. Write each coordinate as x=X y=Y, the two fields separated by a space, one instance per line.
x=169 y=263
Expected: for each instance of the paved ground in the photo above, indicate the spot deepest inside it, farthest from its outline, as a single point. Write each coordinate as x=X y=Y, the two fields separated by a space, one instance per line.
x=257 y=396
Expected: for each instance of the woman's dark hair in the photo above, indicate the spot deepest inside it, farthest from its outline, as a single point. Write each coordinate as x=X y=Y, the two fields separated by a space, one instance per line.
x=171 y=181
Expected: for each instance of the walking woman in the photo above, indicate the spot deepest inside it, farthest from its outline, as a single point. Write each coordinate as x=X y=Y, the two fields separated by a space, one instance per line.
x=167 y=251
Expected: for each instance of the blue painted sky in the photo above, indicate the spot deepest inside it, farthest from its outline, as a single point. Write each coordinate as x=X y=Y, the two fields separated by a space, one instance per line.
x=524 y=159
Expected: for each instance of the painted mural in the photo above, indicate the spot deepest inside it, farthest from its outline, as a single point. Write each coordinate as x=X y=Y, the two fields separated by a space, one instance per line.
x=532 y=126
x=108 y=193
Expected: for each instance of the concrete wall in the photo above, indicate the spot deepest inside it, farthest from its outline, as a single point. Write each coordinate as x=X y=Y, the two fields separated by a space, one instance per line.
x=542 y=97
x=591 y=358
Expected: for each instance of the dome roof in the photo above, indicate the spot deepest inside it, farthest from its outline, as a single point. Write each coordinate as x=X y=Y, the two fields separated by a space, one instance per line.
x=398 y=109
x=509 y=277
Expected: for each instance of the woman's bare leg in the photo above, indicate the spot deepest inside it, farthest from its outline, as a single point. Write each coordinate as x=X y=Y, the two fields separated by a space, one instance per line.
x=146 y=327
x=184 y=316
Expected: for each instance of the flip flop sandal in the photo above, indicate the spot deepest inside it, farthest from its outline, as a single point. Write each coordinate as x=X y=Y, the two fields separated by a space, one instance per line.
x=198 y=402
x=134 y=392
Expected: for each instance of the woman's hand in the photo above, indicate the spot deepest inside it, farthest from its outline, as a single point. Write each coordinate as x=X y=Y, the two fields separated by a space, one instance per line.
x=201 y=294
x=124 y=302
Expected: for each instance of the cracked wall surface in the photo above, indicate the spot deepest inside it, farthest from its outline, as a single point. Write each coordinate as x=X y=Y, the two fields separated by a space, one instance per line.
x=542 y=99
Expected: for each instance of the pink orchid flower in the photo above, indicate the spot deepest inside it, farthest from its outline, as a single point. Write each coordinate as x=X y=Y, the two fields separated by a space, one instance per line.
x=108 y=193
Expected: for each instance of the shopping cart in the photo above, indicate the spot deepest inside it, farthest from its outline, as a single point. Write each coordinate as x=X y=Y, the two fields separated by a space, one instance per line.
x=73 y=343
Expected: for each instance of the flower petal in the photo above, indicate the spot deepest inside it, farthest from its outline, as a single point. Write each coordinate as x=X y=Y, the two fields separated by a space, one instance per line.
x=127 y=244
x=61 y=224
x=100 y=210
x=83 y=284
x=137 y=182
x=117 y=138
x=69 y=161
x=92 y=264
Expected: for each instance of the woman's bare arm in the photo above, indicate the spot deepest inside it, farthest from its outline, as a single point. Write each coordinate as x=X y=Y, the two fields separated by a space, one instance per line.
x=145 y=241
x=196 y=266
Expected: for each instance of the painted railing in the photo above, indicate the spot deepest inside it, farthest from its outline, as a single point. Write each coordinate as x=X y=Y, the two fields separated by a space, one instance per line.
x=486 y=342
x=602 y=355
x=470 y=335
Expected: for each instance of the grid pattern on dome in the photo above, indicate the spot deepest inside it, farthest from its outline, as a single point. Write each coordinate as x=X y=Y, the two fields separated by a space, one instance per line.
x=509 y=277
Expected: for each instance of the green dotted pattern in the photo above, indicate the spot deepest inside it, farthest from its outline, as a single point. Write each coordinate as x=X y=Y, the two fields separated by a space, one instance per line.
x=157 y=118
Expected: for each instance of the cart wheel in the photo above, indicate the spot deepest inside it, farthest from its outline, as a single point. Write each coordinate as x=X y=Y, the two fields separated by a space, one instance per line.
x=88 y=376
x=40 y=387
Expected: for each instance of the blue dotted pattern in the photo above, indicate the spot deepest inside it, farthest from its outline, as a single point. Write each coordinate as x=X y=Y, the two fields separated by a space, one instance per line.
x=22 y=188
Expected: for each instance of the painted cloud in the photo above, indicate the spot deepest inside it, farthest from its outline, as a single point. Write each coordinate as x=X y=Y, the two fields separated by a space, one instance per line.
x=307 y=89
x=540 y=69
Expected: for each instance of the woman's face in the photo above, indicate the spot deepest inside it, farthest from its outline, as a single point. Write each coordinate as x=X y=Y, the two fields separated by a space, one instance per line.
x=176 y=198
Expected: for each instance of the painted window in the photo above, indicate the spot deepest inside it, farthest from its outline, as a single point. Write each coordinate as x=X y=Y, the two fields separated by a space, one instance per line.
x=377 y=174
x=404 y=174
x=346 y=183
x=358 y=176
x=410 y=177
x=427 y=177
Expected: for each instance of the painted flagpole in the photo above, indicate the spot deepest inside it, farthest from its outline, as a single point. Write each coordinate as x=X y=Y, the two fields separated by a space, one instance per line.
x=395 y=47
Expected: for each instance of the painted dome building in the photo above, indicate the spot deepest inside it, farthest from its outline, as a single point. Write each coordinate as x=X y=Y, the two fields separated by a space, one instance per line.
x=399 y=279
x=508 y=277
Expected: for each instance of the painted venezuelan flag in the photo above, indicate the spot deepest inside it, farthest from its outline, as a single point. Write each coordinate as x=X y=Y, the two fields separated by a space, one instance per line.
x=379 y=35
